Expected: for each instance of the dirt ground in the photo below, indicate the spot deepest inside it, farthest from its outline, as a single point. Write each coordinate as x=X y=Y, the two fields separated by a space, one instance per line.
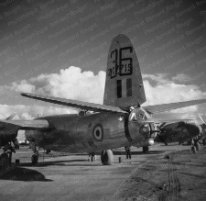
x=176 y=176
x=167 y=173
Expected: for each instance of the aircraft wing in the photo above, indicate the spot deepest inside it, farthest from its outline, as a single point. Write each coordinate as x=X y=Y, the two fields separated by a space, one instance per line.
x=38 y=124
x=174 y=117
x=155 y=109
x=74 y=103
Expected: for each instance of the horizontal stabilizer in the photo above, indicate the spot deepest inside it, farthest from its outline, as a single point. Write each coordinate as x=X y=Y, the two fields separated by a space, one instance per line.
x=155 y=109
x=74 y=103
x=160 y=121
x=25 y=124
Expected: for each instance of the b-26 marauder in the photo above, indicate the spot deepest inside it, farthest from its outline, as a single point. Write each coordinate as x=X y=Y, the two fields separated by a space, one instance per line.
x=119 y=122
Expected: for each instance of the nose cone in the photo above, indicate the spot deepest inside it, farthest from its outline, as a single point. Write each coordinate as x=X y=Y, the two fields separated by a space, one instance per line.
x=146 y=131
x=150 y=141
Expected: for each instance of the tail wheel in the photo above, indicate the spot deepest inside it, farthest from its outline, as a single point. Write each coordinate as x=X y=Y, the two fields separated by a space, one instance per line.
x=107 y=157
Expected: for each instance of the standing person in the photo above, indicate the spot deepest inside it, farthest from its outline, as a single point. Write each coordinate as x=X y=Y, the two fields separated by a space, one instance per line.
x=128 y=152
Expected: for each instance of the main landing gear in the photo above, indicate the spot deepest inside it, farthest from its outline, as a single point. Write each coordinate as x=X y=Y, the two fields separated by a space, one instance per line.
x=35 y=156
x=107 y=157
x=195 y=145
x=6 y=156
x=92 y=157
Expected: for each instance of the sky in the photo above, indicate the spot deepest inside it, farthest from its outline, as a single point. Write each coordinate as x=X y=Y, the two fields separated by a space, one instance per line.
x=60 y=48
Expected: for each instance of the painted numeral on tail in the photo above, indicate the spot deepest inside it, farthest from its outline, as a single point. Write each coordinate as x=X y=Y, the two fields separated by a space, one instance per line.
x=121 y=65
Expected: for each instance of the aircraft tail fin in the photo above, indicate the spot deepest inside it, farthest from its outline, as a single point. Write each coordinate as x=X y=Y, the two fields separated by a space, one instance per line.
x=124 y=86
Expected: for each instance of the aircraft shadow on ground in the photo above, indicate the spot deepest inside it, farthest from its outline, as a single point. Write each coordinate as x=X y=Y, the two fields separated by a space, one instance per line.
x=23 y=174
x=82 y=162
x=138 y=152
x=77 y=162
x=170 y=144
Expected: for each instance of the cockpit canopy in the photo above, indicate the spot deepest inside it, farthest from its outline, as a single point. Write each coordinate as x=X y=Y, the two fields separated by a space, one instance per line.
x=137 y=114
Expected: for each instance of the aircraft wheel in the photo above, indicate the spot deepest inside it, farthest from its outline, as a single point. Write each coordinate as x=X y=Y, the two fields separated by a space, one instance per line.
x=34 y=159
x=145 y=149
x=107 y=157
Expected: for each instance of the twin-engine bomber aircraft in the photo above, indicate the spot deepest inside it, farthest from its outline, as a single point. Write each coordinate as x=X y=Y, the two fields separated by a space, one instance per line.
x=119 y=122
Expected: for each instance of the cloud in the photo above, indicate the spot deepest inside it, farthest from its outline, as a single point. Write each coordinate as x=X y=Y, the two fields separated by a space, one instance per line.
x=165 y=90
x=182 y=78
x=73 y=83
x=69 y=83
x=30 y=112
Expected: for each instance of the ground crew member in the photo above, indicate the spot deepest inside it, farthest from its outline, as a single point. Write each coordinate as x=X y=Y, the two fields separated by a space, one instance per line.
x=128 y=152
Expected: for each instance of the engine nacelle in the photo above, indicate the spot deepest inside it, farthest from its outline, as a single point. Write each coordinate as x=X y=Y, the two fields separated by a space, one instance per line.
x=178 y=132
x=142 y=130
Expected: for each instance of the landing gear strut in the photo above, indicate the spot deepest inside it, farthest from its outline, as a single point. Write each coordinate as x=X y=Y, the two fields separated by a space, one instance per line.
x=107 y=157
x=35 y=156
x=7 y=154
x=195 y=145
x=92 y=156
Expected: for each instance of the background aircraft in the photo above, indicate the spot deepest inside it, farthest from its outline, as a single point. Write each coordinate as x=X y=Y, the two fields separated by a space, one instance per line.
x=187 y=130
x=119 y=122
x=177 y=132
x=8 y=136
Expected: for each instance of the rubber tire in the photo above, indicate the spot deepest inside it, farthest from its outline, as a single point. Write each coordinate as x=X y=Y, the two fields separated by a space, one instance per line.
x=107 y=157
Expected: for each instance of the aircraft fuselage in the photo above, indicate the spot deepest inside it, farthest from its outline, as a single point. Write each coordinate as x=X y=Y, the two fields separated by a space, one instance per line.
x=89 y=133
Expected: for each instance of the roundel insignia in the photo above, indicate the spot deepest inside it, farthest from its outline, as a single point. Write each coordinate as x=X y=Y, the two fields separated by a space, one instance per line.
x=98 y=133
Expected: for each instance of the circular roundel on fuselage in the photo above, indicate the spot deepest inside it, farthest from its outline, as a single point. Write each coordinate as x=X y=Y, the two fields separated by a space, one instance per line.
x=98 y=133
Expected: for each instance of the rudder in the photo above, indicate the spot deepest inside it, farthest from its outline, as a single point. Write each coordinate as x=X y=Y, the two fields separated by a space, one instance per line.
x=124 y=86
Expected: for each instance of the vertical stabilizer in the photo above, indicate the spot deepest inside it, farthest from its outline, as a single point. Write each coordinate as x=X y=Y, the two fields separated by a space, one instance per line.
x=124 y=85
